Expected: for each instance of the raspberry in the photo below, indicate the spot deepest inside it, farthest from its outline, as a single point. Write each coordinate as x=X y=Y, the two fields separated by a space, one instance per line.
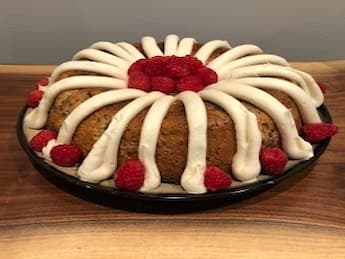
x=216 y=179
x=130 y=175
x=160 y=73
x=155 y=66
x=323 y=86
x=139 y=80
x=192 y=83
x=41 y=139
x=137 y=66
x=177 y=68
x=43 y=82
x=193 y=62
x=273 y=160
x=66 y=155
x=163 y=84
x=316 y=132
x=207 y=75
x=34 y=98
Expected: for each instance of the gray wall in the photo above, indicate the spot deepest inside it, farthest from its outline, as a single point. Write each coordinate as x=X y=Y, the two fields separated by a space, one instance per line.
x=49 y=32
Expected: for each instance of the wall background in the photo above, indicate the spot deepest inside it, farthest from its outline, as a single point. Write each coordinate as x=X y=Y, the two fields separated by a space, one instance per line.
x=49 y=32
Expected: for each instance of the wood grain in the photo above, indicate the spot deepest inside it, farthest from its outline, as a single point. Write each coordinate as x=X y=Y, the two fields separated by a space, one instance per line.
x=302 y=217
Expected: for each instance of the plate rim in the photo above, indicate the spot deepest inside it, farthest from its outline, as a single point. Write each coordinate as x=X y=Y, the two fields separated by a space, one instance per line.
x=53 y=174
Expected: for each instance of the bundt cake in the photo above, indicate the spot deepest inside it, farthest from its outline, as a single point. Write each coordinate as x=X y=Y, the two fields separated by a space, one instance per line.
x=199 y=116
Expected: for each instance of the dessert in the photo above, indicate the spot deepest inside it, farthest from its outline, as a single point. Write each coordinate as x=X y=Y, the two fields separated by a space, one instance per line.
x=200 y=116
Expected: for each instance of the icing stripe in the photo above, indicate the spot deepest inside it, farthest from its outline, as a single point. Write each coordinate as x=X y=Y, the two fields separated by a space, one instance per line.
x=306 y=82
x=149 y=138
x=245 y=164
x=313 y=88
x=114 y=49
x=292 y=143
x=37 y=118
x=91 y=105
x=208 y=48
x=225 y=71
x=102 y=57
x=305 y=106
x=150 y=47
x=89 y=66
x=233 y=54
x=269 y=70
x=185 y=47
x=101 y=161
x=131 y=49
x=170 y=45
x=192 y=179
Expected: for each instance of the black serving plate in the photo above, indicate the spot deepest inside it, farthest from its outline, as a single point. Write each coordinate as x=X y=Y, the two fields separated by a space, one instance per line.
x=160 y=202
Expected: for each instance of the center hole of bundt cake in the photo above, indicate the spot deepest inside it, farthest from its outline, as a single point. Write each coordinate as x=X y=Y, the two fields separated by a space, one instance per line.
x=170 y=74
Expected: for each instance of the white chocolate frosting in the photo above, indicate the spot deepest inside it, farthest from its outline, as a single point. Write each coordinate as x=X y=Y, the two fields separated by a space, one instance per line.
x=131 y=49
x=225 y=71
x=207 y=49
x=38 y=117
x=305 y=104
x=101 y=162
x=170 y=45
x=245 y=164
x=293 y=144
x=150 y=47
x=88 y=66
x=149 y=138
x=91 y=105
x=185 y=47
x=192 y=179
x=234 y=54
x=116 y=50
x=244 y=73
x=102 y=57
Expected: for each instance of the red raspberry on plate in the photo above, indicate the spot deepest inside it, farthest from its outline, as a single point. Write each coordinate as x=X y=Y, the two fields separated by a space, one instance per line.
x=323 y=86
x=139 y=80
x=43 y=82
x=207 y=75
x=215 y=179
x=163 y=84
x=176 y=67
x=41 y=139
x=130 y=175
x=191 y=83
x=316 y=132
x=273 y=160
x=66 y=154
x=137 y=66
x=34 y=98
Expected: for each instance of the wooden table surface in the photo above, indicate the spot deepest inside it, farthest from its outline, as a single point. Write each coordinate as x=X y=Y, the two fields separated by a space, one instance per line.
x=303 y=217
